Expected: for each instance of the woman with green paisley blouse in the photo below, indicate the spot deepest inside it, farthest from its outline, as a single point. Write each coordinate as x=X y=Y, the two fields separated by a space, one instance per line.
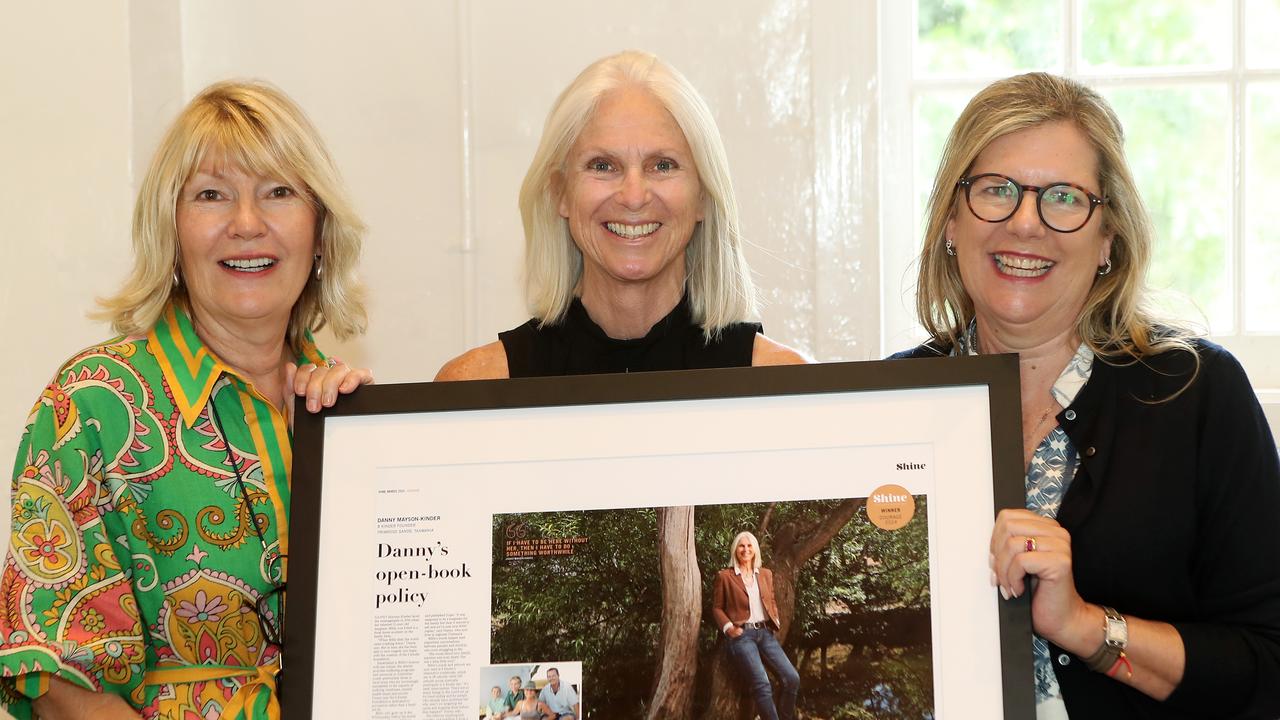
x=151 y=488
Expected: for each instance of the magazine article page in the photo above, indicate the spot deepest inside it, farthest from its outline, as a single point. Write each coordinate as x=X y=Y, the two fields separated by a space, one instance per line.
x=545 y=567
x=583 y=579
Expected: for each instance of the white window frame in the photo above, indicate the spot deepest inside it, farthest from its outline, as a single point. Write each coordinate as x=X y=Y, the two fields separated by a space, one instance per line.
x=1259 y=352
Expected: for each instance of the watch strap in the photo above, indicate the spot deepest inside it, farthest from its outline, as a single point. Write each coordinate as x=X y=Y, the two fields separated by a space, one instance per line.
x=1106 y=657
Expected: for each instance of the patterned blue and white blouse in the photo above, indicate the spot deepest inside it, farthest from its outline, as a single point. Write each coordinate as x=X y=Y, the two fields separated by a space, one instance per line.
x=1053 y=467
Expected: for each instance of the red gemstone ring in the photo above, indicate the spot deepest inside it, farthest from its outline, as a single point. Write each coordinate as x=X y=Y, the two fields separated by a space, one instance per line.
x=1031 y=544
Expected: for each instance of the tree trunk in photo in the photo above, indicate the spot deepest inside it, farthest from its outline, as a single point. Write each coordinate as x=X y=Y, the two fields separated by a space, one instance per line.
x=730 y=697
x=794 y=546
x=790 y=549
x=681 y=613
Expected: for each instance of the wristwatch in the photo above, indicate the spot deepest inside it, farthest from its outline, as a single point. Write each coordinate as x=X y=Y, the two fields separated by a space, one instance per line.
x=1115 y=639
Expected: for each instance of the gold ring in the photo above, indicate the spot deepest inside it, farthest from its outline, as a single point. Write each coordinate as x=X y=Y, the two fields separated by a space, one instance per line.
x=1031 y=544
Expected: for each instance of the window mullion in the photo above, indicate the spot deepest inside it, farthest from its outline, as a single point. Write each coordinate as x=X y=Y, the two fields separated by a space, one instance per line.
x=898 y=95
x=1238 y=101
x=1071 y=41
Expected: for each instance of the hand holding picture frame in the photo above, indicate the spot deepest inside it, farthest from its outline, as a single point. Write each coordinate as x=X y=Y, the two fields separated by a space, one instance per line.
x=441 y=530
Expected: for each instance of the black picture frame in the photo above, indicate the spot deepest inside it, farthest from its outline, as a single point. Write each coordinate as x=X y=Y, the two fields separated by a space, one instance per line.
x=998 y=374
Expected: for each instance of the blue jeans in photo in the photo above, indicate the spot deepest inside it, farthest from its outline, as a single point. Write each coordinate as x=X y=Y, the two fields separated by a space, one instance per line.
x=751 y=651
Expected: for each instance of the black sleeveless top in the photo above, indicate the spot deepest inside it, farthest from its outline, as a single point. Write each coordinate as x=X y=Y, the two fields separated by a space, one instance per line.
x=578 y=346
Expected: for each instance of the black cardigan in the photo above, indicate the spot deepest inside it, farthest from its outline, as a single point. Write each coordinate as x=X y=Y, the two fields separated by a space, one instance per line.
x=1174 y=516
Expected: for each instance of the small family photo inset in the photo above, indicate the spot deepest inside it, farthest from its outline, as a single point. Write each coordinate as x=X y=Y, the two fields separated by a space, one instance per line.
x=531 y=691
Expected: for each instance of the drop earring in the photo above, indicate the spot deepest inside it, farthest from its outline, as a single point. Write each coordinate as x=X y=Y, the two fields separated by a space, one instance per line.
x=318 y=266
x=951 y=248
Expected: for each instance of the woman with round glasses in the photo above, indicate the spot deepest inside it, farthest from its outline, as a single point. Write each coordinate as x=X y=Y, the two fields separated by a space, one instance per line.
x=151 y=492
x=1149 y=545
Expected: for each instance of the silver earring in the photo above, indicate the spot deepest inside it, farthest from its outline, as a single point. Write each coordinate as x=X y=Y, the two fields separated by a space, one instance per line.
x=1105 y=270
x=319 y=266
x=176 y=282
x=951 y=248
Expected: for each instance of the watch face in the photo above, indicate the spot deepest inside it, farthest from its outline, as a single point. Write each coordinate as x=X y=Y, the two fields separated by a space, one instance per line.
x=1117 y=632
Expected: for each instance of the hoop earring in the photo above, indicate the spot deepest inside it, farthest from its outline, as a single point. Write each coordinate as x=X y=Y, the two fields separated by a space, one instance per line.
x=951 y=248
x=176 y=281
x=319 y=266
x=1105 y=270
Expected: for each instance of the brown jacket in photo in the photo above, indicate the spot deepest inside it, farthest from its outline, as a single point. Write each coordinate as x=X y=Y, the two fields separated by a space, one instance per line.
x=730 y=603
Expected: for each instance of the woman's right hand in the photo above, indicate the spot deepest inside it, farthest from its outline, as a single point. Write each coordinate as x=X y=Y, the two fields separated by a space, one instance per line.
x=734 y=631
x=318 y=386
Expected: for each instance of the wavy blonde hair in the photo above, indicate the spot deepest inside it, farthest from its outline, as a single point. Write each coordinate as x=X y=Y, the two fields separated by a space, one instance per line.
x=719 y=282
x=1118 y=321
x=258 y=128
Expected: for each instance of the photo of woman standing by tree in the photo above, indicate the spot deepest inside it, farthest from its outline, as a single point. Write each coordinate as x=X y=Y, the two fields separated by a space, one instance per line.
x=631 y=594
x=744 y=609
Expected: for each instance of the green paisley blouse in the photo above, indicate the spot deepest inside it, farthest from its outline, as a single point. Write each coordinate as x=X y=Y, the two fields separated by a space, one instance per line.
x=131 y=555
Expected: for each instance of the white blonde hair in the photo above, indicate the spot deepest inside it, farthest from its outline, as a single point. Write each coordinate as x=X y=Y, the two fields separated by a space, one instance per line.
x=755 y=546
x=719 y=282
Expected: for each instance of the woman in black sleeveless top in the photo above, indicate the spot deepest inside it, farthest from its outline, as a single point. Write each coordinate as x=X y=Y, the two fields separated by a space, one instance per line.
x=633 y=260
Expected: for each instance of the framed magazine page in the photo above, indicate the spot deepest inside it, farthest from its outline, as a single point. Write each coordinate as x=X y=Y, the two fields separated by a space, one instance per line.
x=454 y=543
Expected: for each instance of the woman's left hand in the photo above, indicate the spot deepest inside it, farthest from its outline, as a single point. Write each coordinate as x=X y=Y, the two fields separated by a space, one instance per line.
x=320 y=385
x=1025 y=544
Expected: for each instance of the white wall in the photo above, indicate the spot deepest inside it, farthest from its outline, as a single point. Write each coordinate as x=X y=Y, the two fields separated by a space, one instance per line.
x=65 y=123
x=382 y=85
x=432 y=110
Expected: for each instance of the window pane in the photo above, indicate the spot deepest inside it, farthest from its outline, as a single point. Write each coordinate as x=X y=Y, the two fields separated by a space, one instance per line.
x=1178 y=33
x=1179 y=146
x=1262 y=211
x=988 y=38
x=1261 y=18
x=935 y=114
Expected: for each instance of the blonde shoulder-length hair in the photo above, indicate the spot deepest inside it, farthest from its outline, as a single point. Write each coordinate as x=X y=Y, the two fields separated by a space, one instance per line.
x=755 y=546
x=1117 y=321
x=718 y=280
x=256 y=127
